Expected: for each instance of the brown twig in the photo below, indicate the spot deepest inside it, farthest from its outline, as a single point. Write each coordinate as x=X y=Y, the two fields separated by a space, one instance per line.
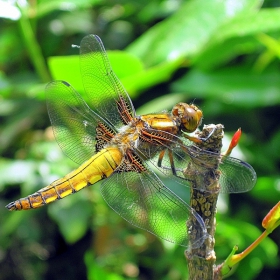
x=203 y=174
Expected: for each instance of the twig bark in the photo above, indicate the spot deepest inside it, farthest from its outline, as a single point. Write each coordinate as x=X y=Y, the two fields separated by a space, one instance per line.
x=203 y=174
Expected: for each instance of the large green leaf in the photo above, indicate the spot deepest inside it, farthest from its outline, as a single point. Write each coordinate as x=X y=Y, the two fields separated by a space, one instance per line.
x=140 y=81
x=67 y=68
x=237 y=85
x=127 y=67
x=186 y=32
x=239 y=36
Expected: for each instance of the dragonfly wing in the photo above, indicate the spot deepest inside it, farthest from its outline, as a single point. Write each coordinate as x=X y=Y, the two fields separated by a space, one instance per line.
x=105 y=92
x=174 y=148
x=74 y=123
x=144 y=201
x=236 y=175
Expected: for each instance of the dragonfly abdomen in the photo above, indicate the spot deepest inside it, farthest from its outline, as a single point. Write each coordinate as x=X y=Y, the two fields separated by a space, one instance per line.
x=98 y=167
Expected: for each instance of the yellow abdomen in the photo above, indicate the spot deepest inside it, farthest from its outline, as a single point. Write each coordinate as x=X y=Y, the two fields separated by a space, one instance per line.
x=98 y=167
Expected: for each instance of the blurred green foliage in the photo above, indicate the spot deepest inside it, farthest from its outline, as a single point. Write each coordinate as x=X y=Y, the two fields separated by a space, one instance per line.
x=222 y=55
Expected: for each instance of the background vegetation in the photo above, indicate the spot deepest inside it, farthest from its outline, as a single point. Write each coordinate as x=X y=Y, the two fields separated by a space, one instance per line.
x=221 y=55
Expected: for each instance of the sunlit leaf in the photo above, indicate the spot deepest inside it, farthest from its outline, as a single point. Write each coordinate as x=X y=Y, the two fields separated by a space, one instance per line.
x=9 y=10
x=186 y=31
x=235 y=85
x=126 y=66
x=238 y=36
x=150 y=77
x=122 y=63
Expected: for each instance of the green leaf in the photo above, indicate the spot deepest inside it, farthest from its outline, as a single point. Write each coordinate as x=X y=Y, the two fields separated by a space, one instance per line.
x=127 y=67
x=238 y=36
x=46 y=7
x=94 y=271
x=164 y=102
x=5 y=86
x=272 y=51
x=237 y=85
x=72 y=216
x=231 y=232
x=124 y=64
x=267 y=189
x=186 y=32
x=236 y=232
x=67 y=68
x=22 y=114
x=140 y=81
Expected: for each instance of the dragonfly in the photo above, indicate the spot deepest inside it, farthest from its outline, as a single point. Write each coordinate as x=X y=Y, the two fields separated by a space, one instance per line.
x=112 y=144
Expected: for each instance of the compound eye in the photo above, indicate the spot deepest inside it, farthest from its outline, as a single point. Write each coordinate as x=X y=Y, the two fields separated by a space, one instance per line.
x=190 y=116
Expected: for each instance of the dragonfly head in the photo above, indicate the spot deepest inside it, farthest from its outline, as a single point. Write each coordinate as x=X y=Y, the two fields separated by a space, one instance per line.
x=189 y=115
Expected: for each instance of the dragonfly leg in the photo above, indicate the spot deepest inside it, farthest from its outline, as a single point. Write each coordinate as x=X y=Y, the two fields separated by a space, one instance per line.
x=160 y=158
x=193 y=138
x=198 y=139
x=171 y=160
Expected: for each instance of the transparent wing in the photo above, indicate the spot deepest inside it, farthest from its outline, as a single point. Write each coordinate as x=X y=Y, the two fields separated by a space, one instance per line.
x=236 y=175
x=143 y=200
x=74 y=123
x=105 y=91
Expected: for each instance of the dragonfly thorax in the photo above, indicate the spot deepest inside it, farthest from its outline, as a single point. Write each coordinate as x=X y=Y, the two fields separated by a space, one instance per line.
x=188 y=115
x=163 y=121
x=127 y=138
